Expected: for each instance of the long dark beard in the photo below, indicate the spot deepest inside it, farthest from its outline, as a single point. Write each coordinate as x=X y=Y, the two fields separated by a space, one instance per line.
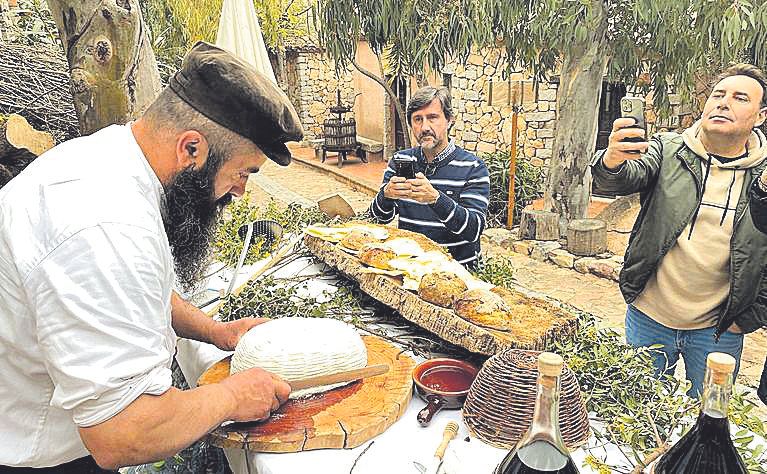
x=191 y=218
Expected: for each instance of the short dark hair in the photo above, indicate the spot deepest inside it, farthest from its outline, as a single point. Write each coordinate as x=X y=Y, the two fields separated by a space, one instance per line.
x=171 y=112
x=423 y=97
x=749 y=70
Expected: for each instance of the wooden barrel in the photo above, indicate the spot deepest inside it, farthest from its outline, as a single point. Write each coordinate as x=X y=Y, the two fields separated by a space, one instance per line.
x=340 y=134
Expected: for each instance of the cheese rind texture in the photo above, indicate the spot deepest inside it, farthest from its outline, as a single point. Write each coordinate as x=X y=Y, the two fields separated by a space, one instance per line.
x=298 y=348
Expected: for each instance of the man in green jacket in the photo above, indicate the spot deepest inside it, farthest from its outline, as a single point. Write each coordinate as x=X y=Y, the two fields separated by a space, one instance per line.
x=759 y=215
x=692 y=275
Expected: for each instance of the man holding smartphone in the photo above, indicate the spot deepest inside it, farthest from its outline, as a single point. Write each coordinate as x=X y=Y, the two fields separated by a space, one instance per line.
x=758 y=206
x=437 y=188
x=692 y=275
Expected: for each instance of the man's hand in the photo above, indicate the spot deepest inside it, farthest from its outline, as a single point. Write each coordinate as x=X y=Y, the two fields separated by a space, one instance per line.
x=397 y=188
x=421 y=190
x=225 y=336
x=619 y=151
x=735 y=329
x=256 y=394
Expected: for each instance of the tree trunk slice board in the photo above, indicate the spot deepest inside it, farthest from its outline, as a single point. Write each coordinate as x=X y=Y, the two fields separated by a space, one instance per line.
x=586 y=237
x=539 y=225
x=17 y=134
x=443 y=322
x=20 y=144
x=344 y=417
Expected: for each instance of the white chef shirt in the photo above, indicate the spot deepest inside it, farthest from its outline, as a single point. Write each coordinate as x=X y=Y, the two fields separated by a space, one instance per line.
x=86 y=276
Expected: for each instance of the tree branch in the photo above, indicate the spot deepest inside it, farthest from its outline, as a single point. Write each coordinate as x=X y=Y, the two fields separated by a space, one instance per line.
x=392 y=95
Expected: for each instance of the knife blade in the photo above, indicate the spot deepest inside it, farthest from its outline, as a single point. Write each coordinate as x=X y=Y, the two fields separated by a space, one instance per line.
x=338 y=377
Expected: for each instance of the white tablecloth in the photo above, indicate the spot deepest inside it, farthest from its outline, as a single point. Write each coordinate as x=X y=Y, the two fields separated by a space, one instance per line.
x=391 y=452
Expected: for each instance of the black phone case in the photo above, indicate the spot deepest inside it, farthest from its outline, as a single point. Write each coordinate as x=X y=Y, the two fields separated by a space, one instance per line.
x=405 y=169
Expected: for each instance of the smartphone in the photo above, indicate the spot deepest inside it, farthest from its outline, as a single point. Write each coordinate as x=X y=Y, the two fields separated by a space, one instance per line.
x=404 y=166
x=633 y=107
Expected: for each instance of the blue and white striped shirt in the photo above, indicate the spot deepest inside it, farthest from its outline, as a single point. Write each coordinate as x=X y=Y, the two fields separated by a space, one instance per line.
x=458 y=217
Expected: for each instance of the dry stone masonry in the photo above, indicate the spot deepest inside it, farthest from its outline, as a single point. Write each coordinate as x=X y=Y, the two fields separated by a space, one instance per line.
x=606 y=265
x=483 y=99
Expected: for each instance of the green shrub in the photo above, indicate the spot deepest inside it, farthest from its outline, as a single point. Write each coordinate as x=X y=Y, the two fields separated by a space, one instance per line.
x=528 y=186
x=32 y=25
x=228 y=244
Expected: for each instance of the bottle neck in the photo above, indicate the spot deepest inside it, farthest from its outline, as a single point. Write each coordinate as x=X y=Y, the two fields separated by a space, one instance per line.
x=717 y=387
x=545 y=425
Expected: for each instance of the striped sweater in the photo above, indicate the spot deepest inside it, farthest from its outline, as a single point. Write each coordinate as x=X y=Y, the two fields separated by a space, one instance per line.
x=458 y=217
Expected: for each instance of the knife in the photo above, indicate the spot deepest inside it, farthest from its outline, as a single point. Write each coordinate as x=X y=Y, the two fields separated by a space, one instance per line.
x=338 y=377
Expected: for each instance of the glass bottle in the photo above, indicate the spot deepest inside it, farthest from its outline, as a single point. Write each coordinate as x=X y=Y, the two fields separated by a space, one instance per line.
x=707 y=447
x=541 y=449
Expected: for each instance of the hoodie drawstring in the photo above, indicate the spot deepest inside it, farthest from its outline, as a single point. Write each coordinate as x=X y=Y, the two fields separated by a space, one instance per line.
x=700 y=200
x=729 y=194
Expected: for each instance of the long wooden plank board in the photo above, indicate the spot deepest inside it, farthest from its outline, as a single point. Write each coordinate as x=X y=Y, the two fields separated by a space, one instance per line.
x=443 y=322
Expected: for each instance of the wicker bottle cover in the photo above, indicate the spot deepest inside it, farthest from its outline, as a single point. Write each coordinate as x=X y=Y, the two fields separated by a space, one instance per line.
x=499 y=407
x=542 y=449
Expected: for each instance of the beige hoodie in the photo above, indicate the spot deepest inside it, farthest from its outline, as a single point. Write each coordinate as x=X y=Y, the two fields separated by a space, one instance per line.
x=693 y=279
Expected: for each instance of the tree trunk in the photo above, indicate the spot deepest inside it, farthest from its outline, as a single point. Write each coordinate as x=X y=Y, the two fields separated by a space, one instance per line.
x=392 y=96
x=586 y=237
x=20 y=144
x=112 y=66
x=279 y=71
x=538 y=225
x=17 y=134
x=569 y=184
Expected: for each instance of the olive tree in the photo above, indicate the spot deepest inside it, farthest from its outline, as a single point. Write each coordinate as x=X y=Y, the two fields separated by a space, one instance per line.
x=407 y=36
x=581 y=41
x=585 y=41
x=112 y=66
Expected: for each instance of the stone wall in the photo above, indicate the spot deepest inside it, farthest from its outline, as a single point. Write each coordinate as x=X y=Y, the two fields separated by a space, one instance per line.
x=682 y=115
x=483 y=101
x=315 y=90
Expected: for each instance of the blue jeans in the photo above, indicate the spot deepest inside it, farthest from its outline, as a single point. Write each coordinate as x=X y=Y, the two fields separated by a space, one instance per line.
x=693 y=345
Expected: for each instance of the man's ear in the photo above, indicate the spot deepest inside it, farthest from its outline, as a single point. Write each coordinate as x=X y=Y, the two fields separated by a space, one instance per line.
x=761 y=117
x=191 y=150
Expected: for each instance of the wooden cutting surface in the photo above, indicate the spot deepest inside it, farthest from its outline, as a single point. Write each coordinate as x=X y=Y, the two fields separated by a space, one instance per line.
x=345 y=417
x=443 y=322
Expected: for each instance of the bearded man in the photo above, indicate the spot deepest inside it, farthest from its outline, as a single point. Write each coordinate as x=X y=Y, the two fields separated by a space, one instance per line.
x=447 y=198
x=94 y=235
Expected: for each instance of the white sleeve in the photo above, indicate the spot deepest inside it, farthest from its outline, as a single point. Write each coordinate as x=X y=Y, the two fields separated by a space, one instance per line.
x=102 y=306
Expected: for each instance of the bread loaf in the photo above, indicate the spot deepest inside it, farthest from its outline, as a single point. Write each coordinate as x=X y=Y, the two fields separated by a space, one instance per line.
x=441 y=288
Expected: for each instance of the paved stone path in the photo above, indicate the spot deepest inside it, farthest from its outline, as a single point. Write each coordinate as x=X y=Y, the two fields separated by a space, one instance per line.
x=601 y=297
x=303 y=184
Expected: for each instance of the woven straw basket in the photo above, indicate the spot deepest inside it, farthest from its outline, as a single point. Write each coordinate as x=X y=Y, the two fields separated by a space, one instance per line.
x=499 y=407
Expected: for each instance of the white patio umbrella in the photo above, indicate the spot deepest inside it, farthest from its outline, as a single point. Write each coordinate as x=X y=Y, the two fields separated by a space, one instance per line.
x=240 y=33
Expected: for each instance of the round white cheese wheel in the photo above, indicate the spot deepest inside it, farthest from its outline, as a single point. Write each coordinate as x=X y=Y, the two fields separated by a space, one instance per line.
x=297 y=348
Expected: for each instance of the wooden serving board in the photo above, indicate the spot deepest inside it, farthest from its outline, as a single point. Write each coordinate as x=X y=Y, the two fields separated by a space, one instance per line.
x=344 y=417
x=443 y=322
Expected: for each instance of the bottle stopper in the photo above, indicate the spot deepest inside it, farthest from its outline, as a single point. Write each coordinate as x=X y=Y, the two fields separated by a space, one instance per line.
x=721 y=365
x=550 y=364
